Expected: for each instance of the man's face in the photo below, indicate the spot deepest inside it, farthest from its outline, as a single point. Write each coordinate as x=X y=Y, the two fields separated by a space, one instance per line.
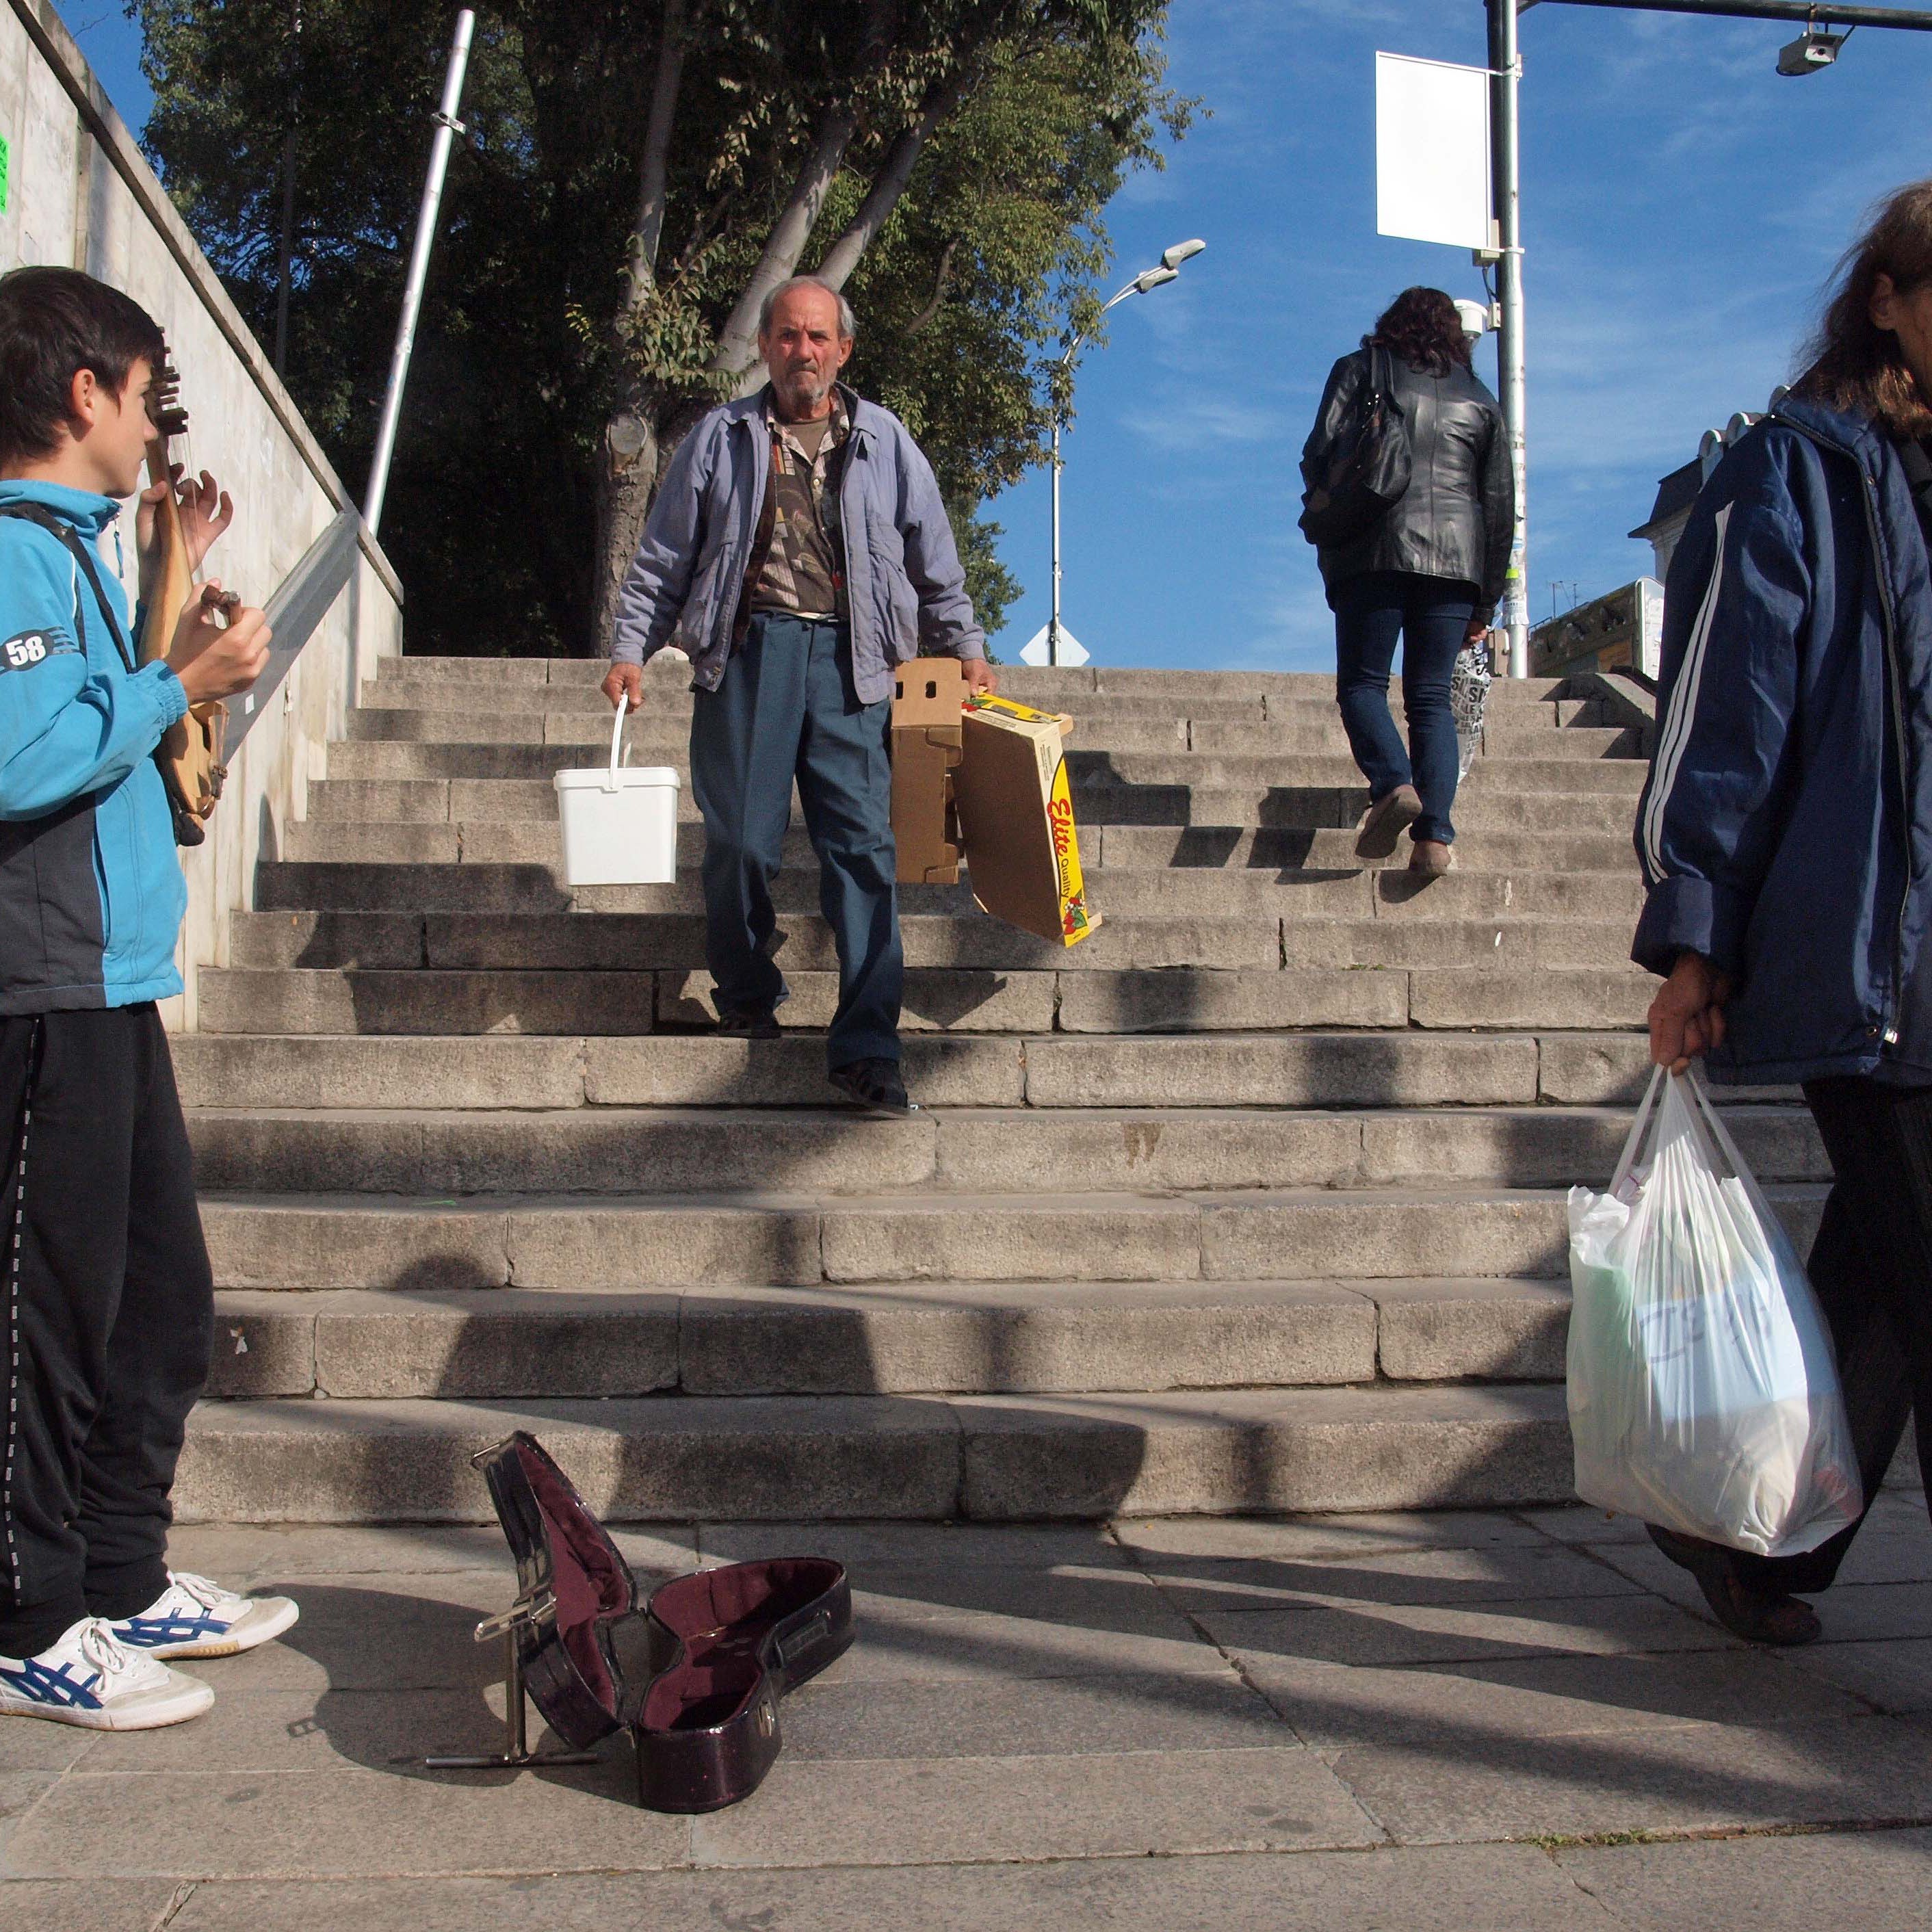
x=804 y=352
x=116 y=441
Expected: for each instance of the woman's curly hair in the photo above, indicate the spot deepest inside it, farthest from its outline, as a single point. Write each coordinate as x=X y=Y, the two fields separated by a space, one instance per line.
x=1423 y=327
x=1851 y=363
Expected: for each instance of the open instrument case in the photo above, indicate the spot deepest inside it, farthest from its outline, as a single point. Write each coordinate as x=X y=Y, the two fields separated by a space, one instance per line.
x=695 y=1676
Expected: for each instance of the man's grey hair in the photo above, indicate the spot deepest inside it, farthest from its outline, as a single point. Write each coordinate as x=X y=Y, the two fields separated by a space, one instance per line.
x=848 y=323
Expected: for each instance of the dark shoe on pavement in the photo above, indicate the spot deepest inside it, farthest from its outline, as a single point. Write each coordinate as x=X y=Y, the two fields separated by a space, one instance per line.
x=1758 y=1616
x=1386 y=820
x=1432 y=858
x=874 y=1087
x=733 y=1025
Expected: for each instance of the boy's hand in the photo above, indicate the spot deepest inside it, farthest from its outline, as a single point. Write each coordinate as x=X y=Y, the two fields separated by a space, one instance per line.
x=1687 y=1018
x=214 y=660
x=205 y=510
x=625 y=680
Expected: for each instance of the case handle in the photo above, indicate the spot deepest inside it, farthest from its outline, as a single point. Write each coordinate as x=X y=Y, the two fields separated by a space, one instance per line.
x=616 y=739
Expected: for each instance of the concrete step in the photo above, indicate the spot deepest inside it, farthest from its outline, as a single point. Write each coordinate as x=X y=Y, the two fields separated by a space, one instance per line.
x=427 y=1000
x=1412 y=1068
x=631 y=942
x=788 y=1458
x=967 y=1338
x=358 y=886
x=537 y=841
x=798 y=1240
x=656 y=1151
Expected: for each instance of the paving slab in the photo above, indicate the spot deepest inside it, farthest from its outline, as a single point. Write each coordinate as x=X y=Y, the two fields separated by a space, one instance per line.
x=339 y=1823
x=1459 y=1785
x=239 y=1552
x=979 y=1548
x=85 y=1905
x=1502 y=1888
x=1332 y=1705
x=1885 y=1674
x=1865 y=1881
x=940 y=1810
x=1298 y=1539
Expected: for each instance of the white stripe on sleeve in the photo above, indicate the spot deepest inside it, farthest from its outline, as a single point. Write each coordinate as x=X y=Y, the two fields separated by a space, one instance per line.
x=1683 y=710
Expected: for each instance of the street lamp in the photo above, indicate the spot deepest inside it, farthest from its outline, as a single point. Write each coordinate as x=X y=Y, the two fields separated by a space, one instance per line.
x=1167 y=270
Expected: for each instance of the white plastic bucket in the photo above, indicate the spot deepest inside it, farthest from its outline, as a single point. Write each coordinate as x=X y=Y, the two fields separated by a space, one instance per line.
x=619 y=825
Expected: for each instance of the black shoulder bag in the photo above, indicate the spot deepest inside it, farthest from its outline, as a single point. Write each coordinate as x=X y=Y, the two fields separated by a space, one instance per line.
x=1366 y=469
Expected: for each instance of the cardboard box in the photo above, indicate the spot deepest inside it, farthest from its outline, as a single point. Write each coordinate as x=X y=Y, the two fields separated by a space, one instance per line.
x=928 y=714
x=1016 y=813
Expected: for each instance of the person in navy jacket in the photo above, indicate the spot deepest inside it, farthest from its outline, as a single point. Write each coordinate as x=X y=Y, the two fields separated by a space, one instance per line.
x=1786 y=837
x=106 y=1300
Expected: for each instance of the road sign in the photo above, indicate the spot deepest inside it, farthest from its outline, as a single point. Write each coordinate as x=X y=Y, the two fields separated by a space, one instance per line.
x=1071 y=651
x=1432 y=151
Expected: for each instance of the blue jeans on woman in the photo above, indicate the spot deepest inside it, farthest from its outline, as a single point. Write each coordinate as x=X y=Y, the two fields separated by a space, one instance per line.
x=1431 y=615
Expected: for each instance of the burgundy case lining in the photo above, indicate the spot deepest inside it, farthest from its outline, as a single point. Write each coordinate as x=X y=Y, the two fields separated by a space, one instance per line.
x=590 y=1581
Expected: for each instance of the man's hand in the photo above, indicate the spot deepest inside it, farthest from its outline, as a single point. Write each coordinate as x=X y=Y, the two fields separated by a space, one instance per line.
x=1687 y=1018
x=980 y=675
x=205 y=510
x=625 y=680
x=214 y=660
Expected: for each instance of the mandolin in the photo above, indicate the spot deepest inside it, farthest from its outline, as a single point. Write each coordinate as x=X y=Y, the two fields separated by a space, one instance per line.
x=189 y=756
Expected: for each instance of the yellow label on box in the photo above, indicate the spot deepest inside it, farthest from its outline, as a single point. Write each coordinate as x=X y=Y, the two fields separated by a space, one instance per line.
x=1074 y=925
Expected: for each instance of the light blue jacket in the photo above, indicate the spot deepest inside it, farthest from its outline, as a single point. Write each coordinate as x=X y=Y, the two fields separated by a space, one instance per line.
x=91 y=894
x=903 y=582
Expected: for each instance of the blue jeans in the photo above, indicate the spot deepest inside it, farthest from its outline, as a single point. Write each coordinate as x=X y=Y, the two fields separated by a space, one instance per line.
x=1431 y=615
x=786 y=708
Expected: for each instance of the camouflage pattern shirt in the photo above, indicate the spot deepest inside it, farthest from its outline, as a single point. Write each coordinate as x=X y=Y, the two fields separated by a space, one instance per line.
x=804 y=572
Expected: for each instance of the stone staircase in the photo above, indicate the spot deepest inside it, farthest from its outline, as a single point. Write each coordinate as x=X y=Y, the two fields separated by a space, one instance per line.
x=1254 y=1200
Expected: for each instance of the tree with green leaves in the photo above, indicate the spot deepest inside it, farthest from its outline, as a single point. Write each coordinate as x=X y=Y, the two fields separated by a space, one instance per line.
x=635 y=176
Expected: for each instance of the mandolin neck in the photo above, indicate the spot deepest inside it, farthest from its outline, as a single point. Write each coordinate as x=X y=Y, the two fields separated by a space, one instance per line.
x=173 y=586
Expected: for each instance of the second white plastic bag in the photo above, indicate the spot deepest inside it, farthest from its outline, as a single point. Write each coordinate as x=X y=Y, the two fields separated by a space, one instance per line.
x=1703 y=1392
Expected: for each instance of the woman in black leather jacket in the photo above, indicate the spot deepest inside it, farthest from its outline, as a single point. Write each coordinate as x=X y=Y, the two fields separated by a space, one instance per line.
x=1431 y=571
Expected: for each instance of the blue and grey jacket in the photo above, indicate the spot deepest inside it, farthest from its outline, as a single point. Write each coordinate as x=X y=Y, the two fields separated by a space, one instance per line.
x=903 y=582
x=91 y=894
x=1786 y=830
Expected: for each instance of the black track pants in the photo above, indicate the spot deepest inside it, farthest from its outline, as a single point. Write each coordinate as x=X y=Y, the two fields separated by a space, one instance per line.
x=1872 y=1266
x=106 y=1313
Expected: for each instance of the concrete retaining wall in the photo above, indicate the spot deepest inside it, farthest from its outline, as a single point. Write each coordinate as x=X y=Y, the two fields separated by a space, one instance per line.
x=79 y=194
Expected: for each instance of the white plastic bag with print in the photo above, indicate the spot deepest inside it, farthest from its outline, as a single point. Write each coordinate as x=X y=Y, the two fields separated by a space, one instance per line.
x=1704 y=1393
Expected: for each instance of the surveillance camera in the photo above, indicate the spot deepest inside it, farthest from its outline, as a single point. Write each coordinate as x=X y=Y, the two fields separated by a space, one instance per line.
x=1476 y=316
x=1809 y=53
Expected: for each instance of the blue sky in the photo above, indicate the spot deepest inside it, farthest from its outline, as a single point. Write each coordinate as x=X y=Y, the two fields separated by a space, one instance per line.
x=1683 y=207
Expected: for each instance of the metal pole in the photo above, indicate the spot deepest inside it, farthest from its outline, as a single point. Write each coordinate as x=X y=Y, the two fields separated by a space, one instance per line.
x=1505 y=167
x=1053 y=625
x=447 y=128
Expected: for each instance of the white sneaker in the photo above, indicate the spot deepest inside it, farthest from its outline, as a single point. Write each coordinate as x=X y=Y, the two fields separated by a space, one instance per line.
x=88 y=1679
x=194 y=1617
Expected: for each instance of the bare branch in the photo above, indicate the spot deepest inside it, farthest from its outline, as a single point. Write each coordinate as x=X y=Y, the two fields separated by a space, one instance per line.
x=647 y=231
x=939 y=284
x=738 y=341
x=889 y=183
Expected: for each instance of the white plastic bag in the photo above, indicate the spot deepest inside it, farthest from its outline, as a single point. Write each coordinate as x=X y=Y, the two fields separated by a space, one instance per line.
x=1704 y=1393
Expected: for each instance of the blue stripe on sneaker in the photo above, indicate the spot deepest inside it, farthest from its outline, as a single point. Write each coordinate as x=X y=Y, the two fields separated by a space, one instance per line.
x=150 y=1633
x=32 y=1679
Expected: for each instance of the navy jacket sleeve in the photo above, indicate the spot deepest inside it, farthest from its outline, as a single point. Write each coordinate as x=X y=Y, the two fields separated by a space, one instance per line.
x=1739 y=608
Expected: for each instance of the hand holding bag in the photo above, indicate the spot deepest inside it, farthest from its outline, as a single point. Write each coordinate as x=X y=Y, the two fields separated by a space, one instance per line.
x=1364 y=473
x=1703 y=1391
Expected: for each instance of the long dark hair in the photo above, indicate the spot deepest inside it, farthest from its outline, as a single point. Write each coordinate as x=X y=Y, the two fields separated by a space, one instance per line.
x=1851 y=363
x=1422 y=326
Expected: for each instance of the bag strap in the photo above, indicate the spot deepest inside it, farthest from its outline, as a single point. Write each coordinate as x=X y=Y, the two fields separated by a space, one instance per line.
x=1707 y=1118
x=1634 y=1143
x=69 y=539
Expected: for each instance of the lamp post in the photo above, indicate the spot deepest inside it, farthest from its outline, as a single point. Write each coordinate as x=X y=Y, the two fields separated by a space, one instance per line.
x=1167 y=270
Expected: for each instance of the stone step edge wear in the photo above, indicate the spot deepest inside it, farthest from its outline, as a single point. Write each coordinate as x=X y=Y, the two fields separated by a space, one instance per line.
x=948 y=1338
x=303 y=1242
x=987 y=1459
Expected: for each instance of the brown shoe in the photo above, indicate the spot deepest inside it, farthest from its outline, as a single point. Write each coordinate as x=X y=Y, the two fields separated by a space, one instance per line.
x=1386 y=820
x=1758 y=1616
x=1431 y=858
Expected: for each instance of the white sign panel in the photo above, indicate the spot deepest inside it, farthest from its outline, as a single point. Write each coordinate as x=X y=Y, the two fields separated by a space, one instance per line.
x=1071 y=651
x=1432 y=152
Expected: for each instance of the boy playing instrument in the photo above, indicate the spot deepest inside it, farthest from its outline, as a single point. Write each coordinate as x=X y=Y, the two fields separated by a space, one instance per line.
x=106 y=1310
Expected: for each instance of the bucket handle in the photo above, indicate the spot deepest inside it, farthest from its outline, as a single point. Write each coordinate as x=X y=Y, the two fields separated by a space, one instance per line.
x=616 y=739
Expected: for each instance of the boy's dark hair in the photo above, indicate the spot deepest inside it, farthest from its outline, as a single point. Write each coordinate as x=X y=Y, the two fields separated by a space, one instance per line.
x=55 y=322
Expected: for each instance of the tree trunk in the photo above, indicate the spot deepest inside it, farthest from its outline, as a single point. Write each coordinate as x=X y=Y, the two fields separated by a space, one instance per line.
x=626 y=482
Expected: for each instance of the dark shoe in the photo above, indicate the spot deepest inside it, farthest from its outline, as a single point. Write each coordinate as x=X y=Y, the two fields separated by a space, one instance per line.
x=1758 y=1616
x=747 y=1025
x=1432 y=858
x=875 y=1087
x=1386 y=820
